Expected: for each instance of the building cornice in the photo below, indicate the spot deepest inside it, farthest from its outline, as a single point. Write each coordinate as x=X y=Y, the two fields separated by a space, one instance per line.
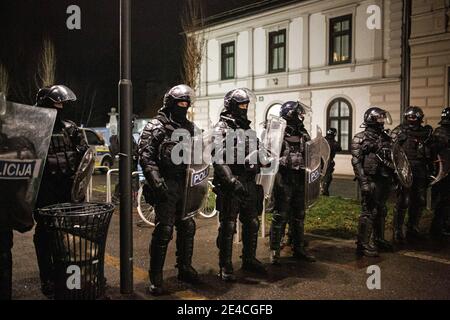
x=322 y=86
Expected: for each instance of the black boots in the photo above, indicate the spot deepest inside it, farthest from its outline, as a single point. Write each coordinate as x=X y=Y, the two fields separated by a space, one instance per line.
x=399 y=221
x=250 y=241
x=225 y=246
x=185 y=249
x=42 y=245
x=5 y=275
x=364 y=247
x=158 y=249
x=381 y=243
x=277 y=230
x=298 y=239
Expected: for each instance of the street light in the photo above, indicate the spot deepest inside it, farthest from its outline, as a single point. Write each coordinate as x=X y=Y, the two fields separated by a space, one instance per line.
x=125 y=111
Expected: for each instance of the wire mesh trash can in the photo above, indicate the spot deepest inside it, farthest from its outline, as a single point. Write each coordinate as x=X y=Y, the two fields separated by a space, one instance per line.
x=78 y=239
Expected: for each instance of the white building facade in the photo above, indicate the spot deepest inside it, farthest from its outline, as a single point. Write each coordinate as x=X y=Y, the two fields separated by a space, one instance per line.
x=338 y=57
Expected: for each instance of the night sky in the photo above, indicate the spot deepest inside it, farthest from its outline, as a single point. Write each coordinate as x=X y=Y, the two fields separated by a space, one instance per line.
x=88 y=59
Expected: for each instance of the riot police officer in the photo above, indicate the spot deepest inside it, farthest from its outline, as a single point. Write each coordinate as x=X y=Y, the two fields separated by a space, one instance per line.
x=235 y=185
x=335 y=147
x=417 y=143
x=289 y=188
x=370 y=150
x=440 y=191
x=167 y=187
x=67 y=148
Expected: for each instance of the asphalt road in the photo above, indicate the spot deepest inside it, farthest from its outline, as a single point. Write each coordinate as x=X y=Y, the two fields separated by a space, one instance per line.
x=420 y=271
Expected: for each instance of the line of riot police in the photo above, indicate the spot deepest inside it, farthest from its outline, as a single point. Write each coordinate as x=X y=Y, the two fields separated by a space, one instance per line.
x=406 y=157
x=409 y=159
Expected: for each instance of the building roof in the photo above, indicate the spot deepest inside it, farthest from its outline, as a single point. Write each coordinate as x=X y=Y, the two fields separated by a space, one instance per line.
x=220 y=13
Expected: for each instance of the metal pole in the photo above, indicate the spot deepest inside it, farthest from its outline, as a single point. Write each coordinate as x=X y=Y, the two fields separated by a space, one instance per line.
x=406 y=57
x=125 y=110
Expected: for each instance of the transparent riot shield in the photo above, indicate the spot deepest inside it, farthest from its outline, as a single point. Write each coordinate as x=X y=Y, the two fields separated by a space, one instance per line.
x=443 y=166
x=25 y=133
x=401 y=166
x=272 y=141
x=197 y=173
x=317 y=151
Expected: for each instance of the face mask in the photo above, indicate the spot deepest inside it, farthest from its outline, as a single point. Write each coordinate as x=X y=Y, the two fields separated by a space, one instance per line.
x=179 y=113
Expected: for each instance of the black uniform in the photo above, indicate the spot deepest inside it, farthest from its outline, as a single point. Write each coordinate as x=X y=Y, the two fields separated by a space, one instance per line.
x=369 y=150
x=441 y=191
x=67 y=148
x=15 y=212
x=237 y=194
x=335 y=147
x=289 y=191
x=167 y=184
x=417 y=142
x=235 y=185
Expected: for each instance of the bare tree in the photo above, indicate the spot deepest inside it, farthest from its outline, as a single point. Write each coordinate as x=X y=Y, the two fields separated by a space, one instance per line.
x=47 y=66
x=192 y=24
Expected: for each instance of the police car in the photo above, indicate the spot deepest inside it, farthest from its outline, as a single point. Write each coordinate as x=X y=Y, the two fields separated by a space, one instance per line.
x=103 y=157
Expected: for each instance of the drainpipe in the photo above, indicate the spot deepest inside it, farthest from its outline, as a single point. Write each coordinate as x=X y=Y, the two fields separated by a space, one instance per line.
x=406 y=58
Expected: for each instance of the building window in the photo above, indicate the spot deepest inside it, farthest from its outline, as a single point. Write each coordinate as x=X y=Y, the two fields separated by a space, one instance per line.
x=339 y=116
x=277 y=51
x=228 y=60
x=341 y=40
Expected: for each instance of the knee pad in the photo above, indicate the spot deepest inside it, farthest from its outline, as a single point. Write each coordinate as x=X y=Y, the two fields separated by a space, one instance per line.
x=280 y=217
x=187 y=227
x=227 y=227
x=251 y=224
x=163 y=233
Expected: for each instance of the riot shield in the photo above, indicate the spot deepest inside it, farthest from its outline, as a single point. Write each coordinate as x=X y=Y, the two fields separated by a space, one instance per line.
x=316 y=151
x=401 y=166
x=197 y=174
x=83 y=176
x=443 y=166
x=272 y=142
x=25 y=133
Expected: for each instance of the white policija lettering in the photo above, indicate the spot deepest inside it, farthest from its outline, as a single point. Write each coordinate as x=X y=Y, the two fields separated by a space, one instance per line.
x=16 y=169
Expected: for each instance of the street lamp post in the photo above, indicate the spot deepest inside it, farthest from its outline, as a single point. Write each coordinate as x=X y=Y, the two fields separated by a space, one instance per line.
x=125 y=110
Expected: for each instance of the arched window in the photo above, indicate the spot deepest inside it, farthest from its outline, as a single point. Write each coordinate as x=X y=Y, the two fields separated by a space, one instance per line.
x=273 y=110
x=339 y=116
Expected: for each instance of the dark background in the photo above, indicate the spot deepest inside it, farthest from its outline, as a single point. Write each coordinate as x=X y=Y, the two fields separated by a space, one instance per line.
x=87 y=60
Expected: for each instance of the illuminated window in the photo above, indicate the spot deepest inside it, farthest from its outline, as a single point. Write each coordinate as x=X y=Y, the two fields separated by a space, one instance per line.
x=341 y=40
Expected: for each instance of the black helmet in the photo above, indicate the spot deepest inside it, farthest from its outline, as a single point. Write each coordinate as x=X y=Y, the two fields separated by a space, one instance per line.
x=47 y=97
x=235 y=97
x=331 y=132
x=445 y=116
x=293 y=111
x=375 y=116
x=236 y=102
x=413 y=115
x=178 y=93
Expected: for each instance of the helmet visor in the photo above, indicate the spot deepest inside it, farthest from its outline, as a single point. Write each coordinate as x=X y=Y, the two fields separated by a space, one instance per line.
x=385 y=118
x=61 y=94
